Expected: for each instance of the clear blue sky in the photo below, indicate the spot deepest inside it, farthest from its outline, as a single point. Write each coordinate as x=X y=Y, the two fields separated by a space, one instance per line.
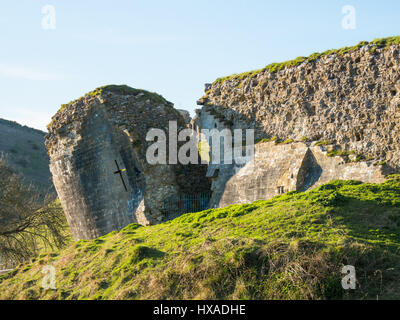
x=171 y=47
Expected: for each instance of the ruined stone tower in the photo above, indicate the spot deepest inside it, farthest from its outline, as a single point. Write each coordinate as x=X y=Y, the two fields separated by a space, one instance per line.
x=97 y=147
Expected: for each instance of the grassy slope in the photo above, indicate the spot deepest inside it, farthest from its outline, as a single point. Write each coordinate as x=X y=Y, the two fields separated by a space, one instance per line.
x=290 y=247
x=26 y=152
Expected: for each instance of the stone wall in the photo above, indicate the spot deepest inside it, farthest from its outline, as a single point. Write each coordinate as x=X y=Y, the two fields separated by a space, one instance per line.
x=278 y=168
x=218 y=171
x=281 y=168
x=90 y=136
x=351 y=99
x=349 y=102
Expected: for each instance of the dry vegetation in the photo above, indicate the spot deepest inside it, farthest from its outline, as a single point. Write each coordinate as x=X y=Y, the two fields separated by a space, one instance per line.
x=29 y=222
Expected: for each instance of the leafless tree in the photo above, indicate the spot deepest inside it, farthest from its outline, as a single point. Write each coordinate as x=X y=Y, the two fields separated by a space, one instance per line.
x=29 y=222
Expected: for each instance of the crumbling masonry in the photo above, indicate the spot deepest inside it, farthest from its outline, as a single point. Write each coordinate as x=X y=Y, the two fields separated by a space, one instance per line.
x=332 y=117
x=97 y=151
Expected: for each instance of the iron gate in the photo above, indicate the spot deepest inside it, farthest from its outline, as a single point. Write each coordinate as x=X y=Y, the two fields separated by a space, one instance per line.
x=185 y=203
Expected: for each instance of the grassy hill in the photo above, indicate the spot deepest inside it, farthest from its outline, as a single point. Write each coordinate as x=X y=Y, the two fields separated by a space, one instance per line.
x=26 y=152
x=291 y=247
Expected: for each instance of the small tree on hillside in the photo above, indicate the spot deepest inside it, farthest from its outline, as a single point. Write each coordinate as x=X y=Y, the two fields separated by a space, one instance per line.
x=28 y=223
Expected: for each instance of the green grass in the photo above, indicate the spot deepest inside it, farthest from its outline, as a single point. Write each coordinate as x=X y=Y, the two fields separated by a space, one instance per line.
x=291 y=247
x=263 y=140
x=288 y=141
x=275 y=67
x=323 y=143
x=342 y=153
x=121 y=90
x=347 y=153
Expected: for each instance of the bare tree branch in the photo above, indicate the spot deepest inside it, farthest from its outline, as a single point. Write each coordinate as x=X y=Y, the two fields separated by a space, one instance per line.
x=28 y=223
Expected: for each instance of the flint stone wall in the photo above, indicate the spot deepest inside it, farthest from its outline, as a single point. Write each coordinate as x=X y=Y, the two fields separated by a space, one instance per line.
x=352 y=100
x=279 y=168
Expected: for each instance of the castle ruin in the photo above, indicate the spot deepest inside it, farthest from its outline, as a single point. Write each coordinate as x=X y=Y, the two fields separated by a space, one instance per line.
x=333 y=117
x=97 y=147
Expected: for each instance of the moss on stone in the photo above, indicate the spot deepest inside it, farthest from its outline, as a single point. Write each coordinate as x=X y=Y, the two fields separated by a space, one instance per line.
x=323 y=143
x=275 y=67
x=343 y=153
x=288 y=141
x=264 y=140
x=116 y=89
